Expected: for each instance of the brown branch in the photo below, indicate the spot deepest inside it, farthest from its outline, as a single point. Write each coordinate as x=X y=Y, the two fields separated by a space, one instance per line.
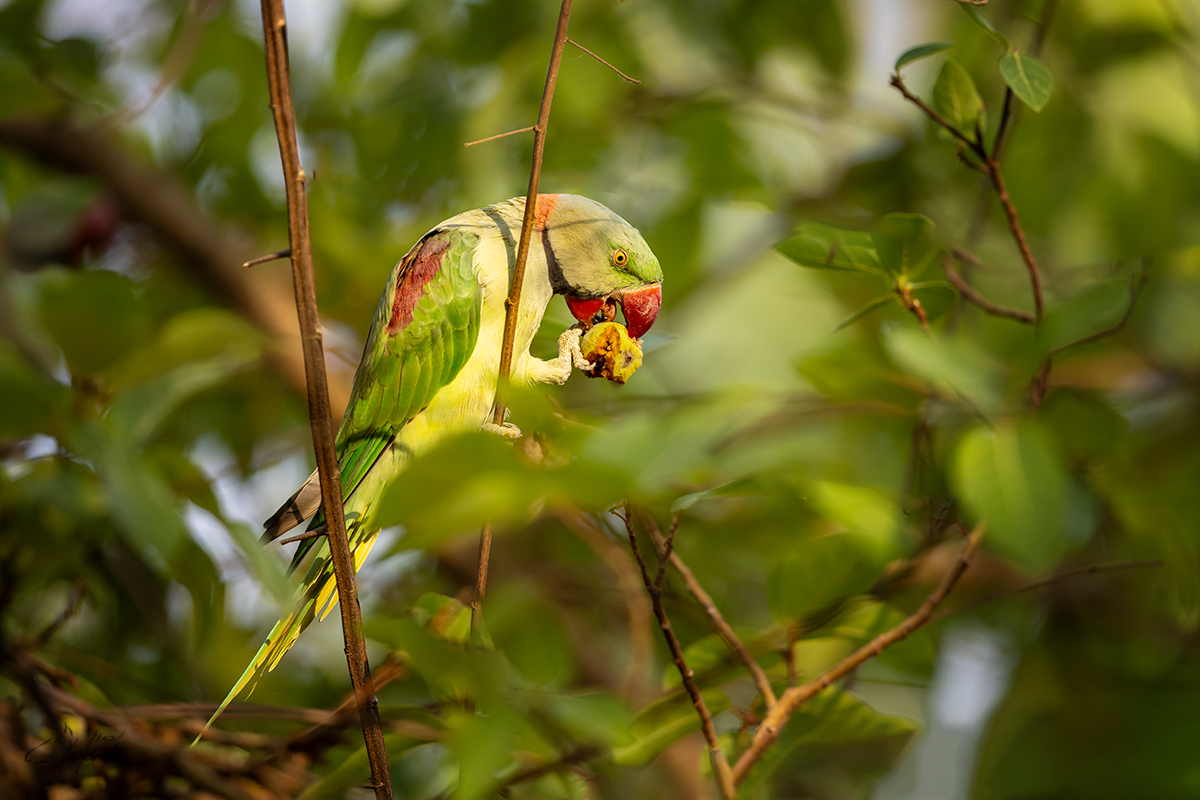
x=1018 y=233
x=667 y=549
x=481 y=576
x=512 y=303
x=971 y=294
x=284 y=253
x=299 y=537
x=498 y=136
x=991 y=168
x=1092 y=569
x=320 y=418
x=974 y=146
x=722 y=628
x=719 y=763
x=914 y=307
x=178 y=760
x=796 y=696
x=602 y=61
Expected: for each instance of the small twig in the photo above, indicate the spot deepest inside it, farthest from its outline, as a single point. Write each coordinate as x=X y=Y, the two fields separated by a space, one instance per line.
x=481 y=576
x=915 y=308
x=722 y=628
x=667 y=549
x=512 y=303
x=1041 y=380
x=299 y=537
x=971 y=294
x=975 y=147
x=973 y=2
x=284 y=253
x=1006 y=112
x=319 y=412
x=991 y=168
x=1093 y=569
x=499 y=136
x=720 y=764
x=602 y=61
x=796 y=696
x=1018 y=233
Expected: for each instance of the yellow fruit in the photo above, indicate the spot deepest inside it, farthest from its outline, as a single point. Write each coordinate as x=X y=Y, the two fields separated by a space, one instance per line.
x=614 y=355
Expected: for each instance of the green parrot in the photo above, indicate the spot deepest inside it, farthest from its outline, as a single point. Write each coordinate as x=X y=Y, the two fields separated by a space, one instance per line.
x=432 y=356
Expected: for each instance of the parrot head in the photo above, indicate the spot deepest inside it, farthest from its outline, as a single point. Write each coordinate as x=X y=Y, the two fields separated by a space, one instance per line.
x=596 y=260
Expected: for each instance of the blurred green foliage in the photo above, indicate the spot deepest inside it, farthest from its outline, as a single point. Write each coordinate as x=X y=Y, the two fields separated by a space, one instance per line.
x=818 y=467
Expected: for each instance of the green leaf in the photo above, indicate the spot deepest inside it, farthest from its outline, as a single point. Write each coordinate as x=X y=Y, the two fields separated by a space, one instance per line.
x=956 y=98
x=1028 y=77
x=94 y=316
x=355 y=770
x=868 y=514
x=975 y=15
x=920 y=51
x=821 y=572
x=862 y=312
x=953 y=367
x=1009 y=478
x=834 y=727
x=824 y=247
x=666 y=721
x=904 y=244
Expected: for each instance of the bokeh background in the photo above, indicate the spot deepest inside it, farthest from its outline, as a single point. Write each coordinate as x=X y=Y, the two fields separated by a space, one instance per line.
x=152 y=410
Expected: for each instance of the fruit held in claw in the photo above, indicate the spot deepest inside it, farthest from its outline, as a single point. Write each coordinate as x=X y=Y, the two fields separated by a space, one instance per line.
x=613 y=353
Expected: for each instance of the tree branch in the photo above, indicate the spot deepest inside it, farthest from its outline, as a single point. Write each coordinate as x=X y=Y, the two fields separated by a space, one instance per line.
x=971 y=294
x=602 y=61
x=796 y=696
x=320 y=418
x=719 y=763
x=1092 y=569
x=722 y=628
x=512 y=303
x=991 y=168
x=974 y=146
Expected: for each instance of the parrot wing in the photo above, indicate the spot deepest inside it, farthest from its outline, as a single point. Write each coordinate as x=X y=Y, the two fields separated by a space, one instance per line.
x=423 y=332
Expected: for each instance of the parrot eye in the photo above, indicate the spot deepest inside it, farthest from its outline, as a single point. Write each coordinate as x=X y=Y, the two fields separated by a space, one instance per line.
x=620 y=258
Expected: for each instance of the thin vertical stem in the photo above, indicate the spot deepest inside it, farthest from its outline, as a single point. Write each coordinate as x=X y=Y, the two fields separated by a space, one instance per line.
x=319 y=412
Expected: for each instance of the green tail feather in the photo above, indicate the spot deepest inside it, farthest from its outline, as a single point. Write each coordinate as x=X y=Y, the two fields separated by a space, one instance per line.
x=278 y=642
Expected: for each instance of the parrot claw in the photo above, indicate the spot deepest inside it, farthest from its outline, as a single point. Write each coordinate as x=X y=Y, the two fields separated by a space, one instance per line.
x=569 y=355
x=505 y=429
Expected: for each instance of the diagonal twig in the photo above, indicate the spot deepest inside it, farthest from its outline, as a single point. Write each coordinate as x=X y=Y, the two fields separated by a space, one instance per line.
x=973 y=295
x=513 y=302
x=796 y=696
x=1091 y=569
x=602 y=61
x=727 y=634
x=719 y=763
x=319 y=413
x=499 y=136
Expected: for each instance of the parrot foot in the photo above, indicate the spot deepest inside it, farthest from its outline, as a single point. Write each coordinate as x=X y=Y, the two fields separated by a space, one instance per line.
x=506 y=429
x=569 y=356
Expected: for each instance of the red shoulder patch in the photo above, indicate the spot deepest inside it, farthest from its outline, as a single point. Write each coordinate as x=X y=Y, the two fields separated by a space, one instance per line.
x=420 y=268
x=542 y=207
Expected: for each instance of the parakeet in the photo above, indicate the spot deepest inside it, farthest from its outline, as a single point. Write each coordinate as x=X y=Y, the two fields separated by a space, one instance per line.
x=431 y=360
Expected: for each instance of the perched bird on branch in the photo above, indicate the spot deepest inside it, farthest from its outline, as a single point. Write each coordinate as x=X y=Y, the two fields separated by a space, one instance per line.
x=431 y=361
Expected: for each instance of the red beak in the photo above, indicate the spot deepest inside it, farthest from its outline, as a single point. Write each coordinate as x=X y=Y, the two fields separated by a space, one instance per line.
x=640 y=307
